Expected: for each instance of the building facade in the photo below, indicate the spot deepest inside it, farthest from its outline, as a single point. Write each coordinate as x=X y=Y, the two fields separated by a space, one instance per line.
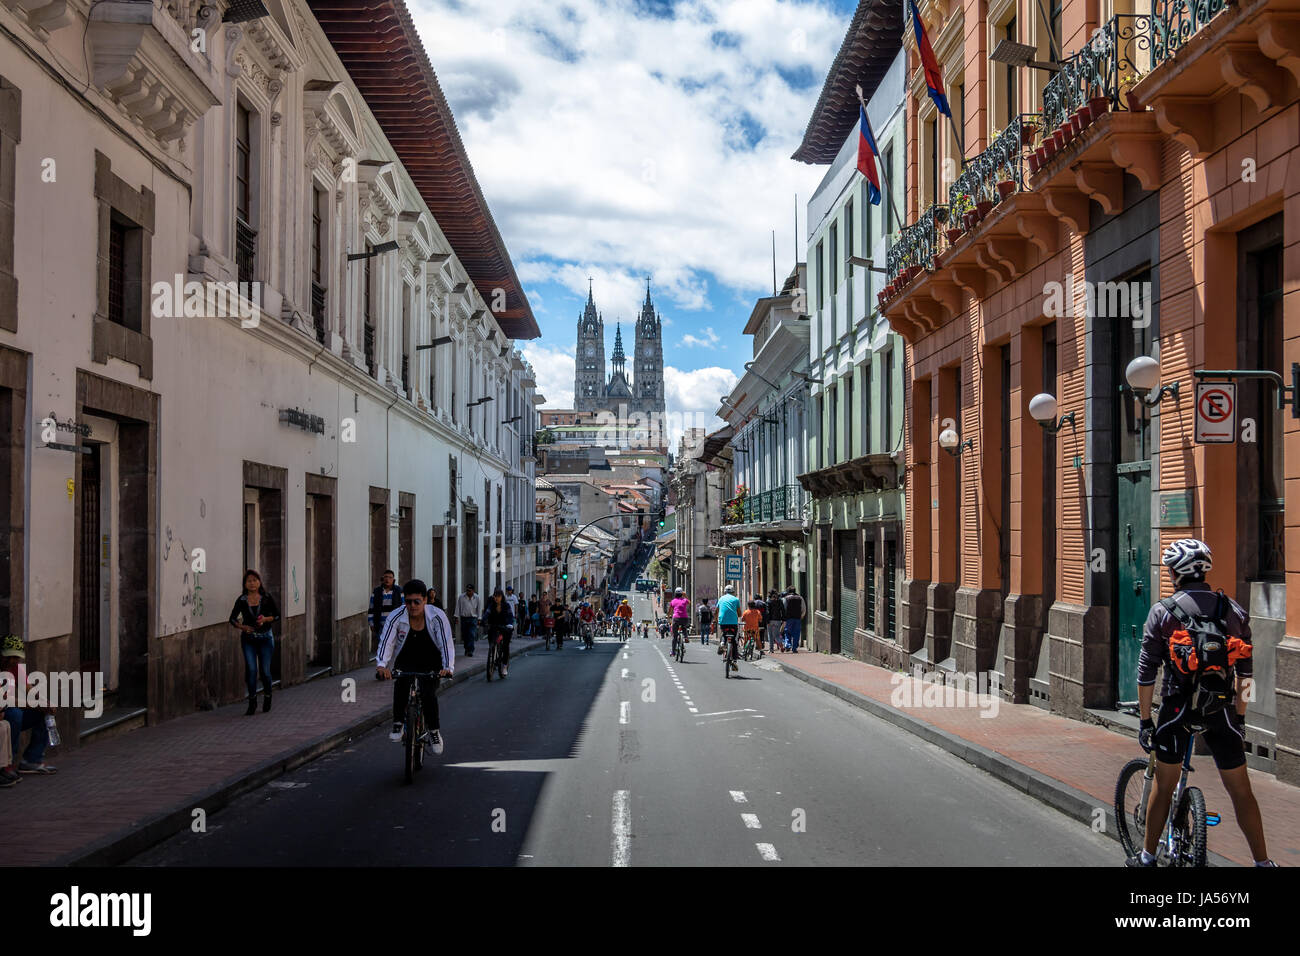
x=235 y=334
x=855 y=358
x=1117 y=228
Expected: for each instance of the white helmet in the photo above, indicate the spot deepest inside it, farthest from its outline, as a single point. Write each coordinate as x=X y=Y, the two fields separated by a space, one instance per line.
x=1188 y=556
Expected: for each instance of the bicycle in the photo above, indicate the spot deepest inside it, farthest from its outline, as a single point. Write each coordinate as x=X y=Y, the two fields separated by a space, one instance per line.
x=1183 y=842
x=679 y=642
x=588 y=635
x=729 y=656
x=413 y=726
x=496 y=655
x=747 y=650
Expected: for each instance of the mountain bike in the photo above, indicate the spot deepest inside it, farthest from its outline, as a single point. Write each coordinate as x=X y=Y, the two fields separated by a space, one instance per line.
x=1183 y=841
x=679 y=640
x=414 y=738
x=729 y=642
x=747 y=650
x=496 y=654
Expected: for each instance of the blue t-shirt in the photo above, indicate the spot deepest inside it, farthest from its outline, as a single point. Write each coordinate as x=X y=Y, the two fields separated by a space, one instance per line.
x=728 y=610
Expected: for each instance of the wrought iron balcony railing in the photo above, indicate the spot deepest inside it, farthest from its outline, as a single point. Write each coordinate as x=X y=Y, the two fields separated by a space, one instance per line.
x=776 y=504
x=368 y=343
x=245 y=249
x=318 y=310
x=1003 y=161
x=1119 y=52
x=917 y=244
x=522 y=532
x=1174 y=22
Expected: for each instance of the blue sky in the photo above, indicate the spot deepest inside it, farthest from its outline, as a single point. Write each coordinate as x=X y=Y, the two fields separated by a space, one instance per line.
x=616 y=139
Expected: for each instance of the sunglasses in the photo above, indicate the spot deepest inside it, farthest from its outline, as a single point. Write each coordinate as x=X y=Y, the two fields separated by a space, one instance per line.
x=414 y=602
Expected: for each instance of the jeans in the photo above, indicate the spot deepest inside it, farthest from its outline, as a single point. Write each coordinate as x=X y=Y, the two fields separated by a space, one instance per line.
x=468 y=631
x=28 y=718
x=428 y=699
x=774 y=629
x=792 y=634
x=257 y=656
x=705 y=628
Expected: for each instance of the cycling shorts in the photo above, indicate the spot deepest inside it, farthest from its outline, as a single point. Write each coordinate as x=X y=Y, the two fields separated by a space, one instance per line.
x=1172 y=736
x=681 y=624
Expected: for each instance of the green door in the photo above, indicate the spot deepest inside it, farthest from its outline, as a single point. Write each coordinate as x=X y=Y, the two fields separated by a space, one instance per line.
x=1134 y=573
x=846 y=546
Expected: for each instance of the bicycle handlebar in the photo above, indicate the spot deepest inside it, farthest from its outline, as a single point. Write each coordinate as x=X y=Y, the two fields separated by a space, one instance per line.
x=417 y=673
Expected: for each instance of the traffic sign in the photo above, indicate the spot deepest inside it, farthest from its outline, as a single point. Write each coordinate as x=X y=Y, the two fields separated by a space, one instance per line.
x=735 y=567
x=1216 y=412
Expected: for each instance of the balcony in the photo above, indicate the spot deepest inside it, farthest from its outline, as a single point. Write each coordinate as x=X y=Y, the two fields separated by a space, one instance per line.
x=523 y=532
x=1174 y=22
x=368 y=343
x=782 y=504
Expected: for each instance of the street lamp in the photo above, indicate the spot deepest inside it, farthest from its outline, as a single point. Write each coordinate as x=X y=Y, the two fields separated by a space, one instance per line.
x=951 y=442
x=1042 y=409
x=749 y=367
x=1143 y=375
x=440 y=340
x=867 y=264
x=390 y=246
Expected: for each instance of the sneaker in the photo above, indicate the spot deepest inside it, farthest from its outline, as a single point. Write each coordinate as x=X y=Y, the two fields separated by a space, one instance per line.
x=26 y=767
x=1268 y=863
x=396 y=735
x=504 y=670
x=8 y=778
x=435 y=741
x=1136 y=860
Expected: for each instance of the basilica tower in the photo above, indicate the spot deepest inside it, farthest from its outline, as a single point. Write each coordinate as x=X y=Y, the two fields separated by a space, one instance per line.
x=648 y=360
x=589 y=360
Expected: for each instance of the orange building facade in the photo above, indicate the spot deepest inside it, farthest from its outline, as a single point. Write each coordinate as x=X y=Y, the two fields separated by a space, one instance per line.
x=1133 y=192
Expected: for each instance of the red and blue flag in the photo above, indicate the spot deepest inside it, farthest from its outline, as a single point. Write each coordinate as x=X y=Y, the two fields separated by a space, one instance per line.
x=929 y=65
x=868 y=154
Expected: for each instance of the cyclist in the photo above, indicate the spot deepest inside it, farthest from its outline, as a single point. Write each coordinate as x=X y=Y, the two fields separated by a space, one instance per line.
x=680 y=608
x=498 y=620
x=416 y=637
x=753 y=621
x=587 y=615
x=728 y=621
x=1188 y=561
x=624 y=615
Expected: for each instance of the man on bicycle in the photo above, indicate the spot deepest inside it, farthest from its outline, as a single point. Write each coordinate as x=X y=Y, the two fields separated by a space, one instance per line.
x=624 y=615
x=1188 y=561
x=416 y=638
x=728 y=621
x=680 y=608
x=587 y=615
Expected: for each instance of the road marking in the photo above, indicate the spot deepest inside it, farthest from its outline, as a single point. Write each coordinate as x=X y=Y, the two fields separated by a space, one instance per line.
x=719 y=713
x=624 y=673
x=751 y=821
x=621 y=838
x=623 y=707
x=739 y=796
x=694 y=710
x=722 y=720
x=768 y=852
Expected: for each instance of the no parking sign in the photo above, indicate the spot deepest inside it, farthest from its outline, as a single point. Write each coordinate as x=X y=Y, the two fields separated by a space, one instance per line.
x=1216 y=412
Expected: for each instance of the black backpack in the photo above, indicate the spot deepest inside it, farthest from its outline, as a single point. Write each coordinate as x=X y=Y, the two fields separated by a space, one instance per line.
x=1201 y=650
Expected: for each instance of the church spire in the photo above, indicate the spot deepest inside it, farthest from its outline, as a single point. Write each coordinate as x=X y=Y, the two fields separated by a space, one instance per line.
x=619 y=357
x=589 y=314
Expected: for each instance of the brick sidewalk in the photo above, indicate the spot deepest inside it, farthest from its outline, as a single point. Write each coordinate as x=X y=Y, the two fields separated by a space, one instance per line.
x=1085 y=757
x=115 y=798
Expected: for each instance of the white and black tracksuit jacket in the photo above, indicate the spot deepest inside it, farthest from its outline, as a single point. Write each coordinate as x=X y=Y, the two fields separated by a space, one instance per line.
x=397 y=625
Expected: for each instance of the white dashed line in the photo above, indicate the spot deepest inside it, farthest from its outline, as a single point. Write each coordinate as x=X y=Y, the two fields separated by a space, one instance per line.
x=768 y=852
x=624 y=673
x=719 y=713
x=751 y=821
x=621 y=837
x=739 y=796
x=623 y=708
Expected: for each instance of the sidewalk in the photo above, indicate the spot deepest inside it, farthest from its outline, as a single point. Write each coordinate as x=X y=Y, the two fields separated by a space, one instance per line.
x=1066 y=763
x=112 y=800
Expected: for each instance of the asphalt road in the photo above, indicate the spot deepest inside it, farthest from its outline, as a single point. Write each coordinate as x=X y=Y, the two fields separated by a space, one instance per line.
x=621 y=756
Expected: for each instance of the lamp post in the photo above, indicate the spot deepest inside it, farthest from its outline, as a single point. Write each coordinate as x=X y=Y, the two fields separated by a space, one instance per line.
x=951 y=442
x=1043 y=409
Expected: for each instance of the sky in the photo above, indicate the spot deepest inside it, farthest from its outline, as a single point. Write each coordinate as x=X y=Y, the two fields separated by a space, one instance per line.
x=619 y=139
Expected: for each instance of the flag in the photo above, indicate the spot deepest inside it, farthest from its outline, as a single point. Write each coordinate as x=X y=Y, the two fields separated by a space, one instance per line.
x=868 y=153
x=933 y=75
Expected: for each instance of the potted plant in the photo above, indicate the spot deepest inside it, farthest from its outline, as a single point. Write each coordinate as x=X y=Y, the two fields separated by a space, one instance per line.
x=1006 y=182
x=1058 y=140
x=983 y=207
x=940 y=214
x=1027 y=131
x=1099 y=105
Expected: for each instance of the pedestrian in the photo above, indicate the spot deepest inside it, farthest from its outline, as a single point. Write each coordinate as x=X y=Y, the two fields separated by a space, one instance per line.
x=13 y=655
x=8 y=772
x=706 y=620
x=775 y=619
x=384 y=599
x=794 y=611
x=512 y=599
x=468 y=610
x=561 y=624
x=499 y=620
x=254 y=613
x=431 y=597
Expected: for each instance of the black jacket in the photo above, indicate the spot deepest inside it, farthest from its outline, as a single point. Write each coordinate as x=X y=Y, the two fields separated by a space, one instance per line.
x=243 y=614
x=378 y=612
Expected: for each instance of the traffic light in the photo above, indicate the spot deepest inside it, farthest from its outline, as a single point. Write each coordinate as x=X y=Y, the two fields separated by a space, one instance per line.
x=663 y=518
x=564 y=575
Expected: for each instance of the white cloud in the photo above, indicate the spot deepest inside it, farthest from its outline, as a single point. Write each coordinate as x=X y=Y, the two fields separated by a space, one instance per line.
x=693 y=398
x=709 y=340
x=554 y=368
x=611 y=144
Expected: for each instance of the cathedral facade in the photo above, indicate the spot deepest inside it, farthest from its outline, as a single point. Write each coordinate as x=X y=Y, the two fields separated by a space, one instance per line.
x=642 y=393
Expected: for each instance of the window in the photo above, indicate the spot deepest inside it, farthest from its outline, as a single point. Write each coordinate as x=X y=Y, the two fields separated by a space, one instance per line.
x=125 y=218
x=821 y=278
x=888 y=200
x=866 y=408
x=821 y=430
x=835 y=275
x=848 y=237
x=932 y=139
x=887 y=402
x=368 y=331
x=831 y=425
x=1054 y=15
x=1010 y=79
x=848 y=416
x=245 y=234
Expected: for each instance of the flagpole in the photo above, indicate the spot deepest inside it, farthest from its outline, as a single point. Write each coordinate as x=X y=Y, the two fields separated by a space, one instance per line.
x=883 y=182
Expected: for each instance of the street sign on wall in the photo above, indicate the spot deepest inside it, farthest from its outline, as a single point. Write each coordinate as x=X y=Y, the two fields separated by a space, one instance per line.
x=1216 y=412
x=735 y=567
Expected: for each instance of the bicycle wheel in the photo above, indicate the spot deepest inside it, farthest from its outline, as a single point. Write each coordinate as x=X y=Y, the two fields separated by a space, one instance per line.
x=491 y=661
x=1189 y=829
x=1132 y=790
x=419 y=735
x=408 y=743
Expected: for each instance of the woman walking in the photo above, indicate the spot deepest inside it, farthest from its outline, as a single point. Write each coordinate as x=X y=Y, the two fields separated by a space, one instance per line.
x=254 y=613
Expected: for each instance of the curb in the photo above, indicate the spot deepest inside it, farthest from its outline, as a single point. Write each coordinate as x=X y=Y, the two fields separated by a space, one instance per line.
x=119 y=847
x=1060 y=796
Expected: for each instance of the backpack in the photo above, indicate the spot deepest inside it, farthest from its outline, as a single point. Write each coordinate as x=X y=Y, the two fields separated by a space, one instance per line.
x=1201 y=649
